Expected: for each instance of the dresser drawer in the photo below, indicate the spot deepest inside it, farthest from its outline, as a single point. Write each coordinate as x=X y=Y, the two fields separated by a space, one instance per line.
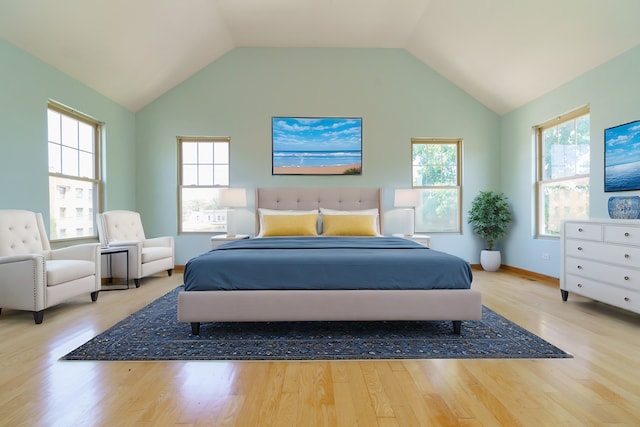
x=619 y=276
x=583 y=230
x=622 y=234
x=628 y=256
x=619 y=297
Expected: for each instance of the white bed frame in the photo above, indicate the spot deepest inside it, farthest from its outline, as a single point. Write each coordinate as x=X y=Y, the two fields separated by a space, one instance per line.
x=327 y=305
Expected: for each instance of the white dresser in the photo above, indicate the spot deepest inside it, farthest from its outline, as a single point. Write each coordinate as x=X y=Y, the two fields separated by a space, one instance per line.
x=601 y=261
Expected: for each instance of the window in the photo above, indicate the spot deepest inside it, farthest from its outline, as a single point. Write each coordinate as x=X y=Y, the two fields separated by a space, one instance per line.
x=203 y=173
x=563 y=170
x=435 y=170
x=74 y=177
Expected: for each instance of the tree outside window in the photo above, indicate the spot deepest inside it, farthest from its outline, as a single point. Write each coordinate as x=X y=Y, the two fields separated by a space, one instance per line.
x=563 y=170
x=435 y=166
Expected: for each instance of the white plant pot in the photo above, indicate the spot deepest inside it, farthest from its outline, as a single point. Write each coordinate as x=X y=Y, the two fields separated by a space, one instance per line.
x=490 y=260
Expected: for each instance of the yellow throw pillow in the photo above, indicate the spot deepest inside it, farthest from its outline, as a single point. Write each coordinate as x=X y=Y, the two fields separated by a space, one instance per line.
x=349 y=225
x=290 y=225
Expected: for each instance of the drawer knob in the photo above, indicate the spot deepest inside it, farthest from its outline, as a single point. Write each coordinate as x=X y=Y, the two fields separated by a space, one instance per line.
x=626 y=277
x=626 y=234
x=580 y=230
x=579 y=248
x=627 y=256
x=627 y=299
x=579 y=285
x=579 y=267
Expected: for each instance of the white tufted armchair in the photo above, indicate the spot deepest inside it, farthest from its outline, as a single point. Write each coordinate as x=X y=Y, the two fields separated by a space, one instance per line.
x=146 y=256
x=32 y=275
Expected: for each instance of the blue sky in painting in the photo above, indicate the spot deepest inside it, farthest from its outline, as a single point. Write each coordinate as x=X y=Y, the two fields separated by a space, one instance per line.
x=316 y=134
x=623 y=144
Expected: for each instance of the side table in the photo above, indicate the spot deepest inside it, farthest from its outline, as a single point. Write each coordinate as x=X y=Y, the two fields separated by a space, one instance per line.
x=108 y=252
x=423 y=239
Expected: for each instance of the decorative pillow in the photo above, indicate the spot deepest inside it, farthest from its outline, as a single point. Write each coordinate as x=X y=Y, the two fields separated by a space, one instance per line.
x=290 y=225
x=275 y=212
x=349 y=225
x=372 y=212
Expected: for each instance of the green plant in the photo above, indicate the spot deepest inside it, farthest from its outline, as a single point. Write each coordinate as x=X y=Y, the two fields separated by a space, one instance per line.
x=489 y=216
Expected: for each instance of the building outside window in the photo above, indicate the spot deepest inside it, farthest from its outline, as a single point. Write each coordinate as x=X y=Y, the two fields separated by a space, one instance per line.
x=74 y=173
x=203 y=173
x=435 y=171
x=563 y=146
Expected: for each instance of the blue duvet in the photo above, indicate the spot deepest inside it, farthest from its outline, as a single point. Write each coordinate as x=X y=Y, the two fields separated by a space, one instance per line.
x=282 y=263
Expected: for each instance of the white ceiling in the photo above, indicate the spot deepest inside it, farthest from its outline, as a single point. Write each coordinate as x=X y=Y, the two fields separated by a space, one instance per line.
x=504 y=53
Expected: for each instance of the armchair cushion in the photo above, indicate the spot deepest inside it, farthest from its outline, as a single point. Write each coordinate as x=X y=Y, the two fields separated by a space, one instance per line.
x=62 y=271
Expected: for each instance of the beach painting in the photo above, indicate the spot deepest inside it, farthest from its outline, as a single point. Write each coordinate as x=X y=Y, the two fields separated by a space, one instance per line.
x=622 y=157
x=317 y=145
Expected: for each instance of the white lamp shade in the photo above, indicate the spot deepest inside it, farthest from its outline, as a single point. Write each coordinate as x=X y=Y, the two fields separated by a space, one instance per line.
x=406 y=198
x=233 y=198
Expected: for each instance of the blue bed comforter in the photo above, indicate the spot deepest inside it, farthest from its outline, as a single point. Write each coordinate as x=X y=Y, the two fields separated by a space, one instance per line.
x=283 y=263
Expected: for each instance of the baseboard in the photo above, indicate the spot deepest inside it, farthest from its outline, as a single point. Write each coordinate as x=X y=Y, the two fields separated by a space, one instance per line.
x=542 y=278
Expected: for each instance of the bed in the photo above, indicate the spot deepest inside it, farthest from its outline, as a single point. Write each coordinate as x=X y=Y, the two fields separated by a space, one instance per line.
x=321 y=277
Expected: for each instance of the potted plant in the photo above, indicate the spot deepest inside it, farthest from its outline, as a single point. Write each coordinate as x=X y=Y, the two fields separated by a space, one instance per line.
x=489 y=216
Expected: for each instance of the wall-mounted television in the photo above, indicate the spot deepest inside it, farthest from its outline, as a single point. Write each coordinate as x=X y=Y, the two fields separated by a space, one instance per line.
x=622 y=157
x=316 y=145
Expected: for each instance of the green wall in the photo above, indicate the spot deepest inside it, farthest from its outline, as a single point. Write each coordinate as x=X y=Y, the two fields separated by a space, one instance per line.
x=613 y=92
x=397 y=96
x=26 y=86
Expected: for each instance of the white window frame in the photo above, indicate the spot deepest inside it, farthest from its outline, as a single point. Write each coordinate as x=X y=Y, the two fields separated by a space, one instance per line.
x=201 y=180
x=67 y=183
x=548 y=225
x=426 y=188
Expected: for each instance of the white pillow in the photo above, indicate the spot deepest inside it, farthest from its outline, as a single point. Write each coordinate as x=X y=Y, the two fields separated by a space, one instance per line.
x=373 y=212
x=263 y=211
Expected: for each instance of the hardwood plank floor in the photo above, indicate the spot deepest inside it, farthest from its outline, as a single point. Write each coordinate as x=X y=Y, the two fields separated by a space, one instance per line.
x=600 y=386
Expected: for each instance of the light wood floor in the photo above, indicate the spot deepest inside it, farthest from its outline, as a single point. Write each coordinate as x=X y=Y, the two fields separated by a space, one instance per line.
x=600 y=386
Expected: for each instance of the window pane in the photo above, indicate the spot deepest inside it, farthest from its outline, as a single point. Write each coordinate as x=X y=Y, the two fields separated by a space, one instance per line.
x=562 y=200
x=221 y=176
x=205 y=153
x=438 y=211
x=65 y=194
x=53 y=126
x=189 y=152
x=86 y=165
x=73 y=202
x=69 y=132
x=85 y=136
x=435 y=172
x=221 y=152
x=69 y=161
x=564 y=173
x=54 y=158
x=441 y=164
x=205 y=175
x=190 y=175
x=201 y=211
x=203 y=164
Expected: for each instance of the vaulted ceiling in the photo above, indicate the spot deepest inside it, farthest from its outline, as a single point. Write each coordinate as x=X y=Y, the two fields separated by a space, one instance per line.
x=504 y=53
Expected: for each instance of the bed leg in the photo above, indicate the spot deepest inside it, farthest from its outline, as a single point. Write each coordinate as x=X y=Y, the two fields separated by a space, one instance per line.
x=457 y=324
x=195 y=328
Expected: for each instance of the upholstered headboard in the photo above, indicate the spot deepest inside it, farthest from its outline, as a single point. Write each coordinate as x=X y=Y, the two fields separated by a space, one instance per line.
x=314 y=198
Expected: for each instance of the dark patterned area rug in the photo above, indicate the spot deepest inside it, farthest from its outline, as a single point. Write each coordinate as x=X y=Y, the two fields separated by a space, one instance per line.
x=153 y=333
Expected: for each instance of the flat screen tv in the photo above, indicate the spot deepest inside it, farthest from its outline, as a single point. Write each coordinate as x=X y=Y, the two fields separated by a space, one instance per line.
x=316 y=145
x=622 y=157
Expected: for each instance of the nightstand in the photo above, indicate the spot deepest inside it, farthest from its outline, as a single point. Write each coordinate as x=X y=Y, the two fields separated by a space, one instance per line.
x=219 y=239
x=423 y=239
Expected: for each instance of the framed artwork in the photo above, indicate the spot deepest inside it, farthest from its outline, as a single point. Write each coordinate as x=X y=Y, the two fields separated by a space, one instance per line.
x=622 y=157
x=316 y=145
